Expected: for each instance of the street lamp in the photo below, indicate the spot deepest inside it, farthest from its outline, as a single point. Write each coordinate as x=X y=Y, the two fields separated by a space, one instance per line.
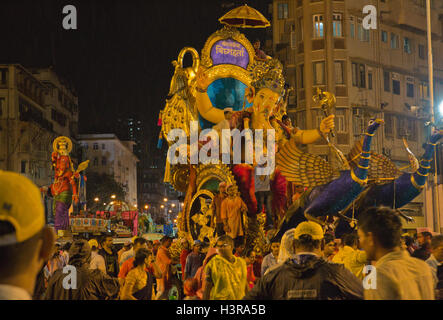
x=162 y=206
x=146 y=206
x=96 y=199
x=173 y=205
x=113 y=196
x=165 y=199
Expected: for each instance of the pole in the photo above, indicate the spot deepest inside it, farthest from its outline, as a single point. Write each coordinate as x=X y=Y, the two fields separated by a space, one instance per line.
x=431 y=100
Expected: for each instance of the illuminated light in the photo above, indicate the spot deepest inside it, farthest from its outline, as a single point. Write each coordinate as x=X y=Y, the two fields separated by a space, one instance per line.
x=175 y=220
x=112 y=202
x=104 y=203
x=173 y=205
x=440 y=108
x=165 y=199
x=146 y=206
x=113 y=196
x=170 y=210
x=162 y=206
x=135 y=205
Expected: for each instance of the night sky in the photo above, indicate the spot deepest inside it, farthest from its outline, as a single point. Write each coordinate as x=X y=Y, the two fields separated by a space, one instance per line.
x=119 y=58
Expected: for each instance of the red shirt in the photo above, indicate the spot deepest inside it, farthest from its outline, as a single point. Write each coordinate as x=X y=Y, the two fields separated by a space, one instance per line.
x=183 y=257
x=250 y=276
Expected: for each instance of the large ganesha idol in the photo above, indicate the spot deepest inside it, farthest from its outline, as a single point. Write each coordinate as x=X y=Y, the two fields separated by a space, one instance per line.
x=64 y=189
x=228 y=88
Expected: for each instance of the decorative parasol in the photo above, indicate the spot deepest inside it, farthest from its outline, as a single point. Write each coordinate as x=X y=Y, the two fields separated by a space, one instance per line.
x=245 y=17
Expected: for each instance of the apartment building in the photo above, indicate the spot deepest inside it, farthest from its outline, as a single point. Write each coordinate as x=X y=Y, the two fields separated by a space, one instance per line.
x=109 y=155
x=36 y=106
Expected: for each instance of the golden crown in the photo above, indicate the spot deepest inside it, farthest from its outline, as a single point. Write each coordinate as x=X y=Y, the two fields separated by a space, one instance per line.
x=267 y=74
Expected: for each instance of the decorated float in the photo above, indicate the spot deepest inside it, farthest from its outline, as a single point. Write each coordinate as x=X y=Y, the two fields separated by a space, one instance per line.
x=230 y=87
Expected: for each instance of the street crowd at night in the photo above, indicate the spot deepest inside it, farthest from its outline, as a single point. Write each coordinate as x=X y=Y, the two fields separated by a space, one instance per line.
x=305 y=264
x=334 y=191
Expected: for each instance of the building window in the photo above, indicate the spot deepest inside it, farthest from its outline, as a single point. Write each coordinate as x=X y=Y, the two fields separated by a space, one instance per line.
x=338 y=70
x=318 y=26
x=401 y=121
x=319 y=73
x=358 y=75
x=104 y=161
x=362 y=74
x=293 y=44
x=394 y=41
x=384 y=36
x=95 y=162
x=410 y=90
x=86 y=146
x=23 y=166
x=421 y=51
x=283 y=11
x=340 y=115
x=407 y=45
x=337 y=25
x=302 y=76
x=95 y=146
x=2 y=103
x=369 y=80
x=362 y=33
x=103 y=146
x=412 y=130
x=424 y=90
x=351 y=27
x=389 y=125
x=386 y=81
x=396 y=86
x=3 y=75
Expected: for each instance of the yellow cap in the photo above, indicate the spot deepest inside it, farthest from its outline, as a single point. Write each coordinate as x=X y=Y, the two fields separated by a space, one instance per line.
x=21 y=205
x=311 y=228
x=93 y=243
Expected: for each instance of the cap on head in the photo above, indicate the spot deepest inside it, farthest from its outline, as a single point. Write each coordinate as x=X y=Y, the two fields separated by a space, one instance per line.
x=21 y=205
x=93 y=243
x=225 y=110
x=311 y=228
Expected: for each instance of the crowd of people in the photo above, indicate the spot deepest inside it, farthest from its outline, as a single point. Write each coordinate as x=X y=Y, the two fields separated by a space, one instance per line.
x=378 y=262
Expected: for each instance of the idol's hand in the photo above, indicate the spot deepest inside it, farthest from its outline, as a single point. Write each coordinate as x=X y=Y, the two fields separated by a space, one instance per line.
x=327 y=124
x=202 y=79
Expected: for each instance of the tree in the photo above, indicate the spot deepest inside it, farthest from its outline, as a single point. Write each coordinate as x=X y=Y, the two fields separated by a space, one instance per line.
x=102 y=186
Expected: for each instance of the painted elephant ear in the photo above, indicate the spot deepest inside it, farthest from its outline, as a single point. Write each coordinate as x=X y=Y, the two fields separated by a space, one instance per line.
x=303 y=168
x=381 y=169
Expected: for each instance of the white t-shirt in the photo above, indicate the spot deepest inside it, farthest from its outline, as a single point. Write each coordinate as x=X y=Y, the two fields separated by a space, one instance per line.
x=97 y=262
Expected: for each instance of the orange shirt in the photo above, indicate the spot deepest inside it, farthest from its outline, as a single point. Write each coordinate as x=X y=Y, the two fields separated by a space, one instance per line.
x=128 y=265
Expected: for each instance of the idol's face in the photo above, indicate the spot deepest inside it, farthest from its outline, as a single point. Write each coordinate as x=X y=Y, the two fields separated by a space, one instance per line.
x=265 y=102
